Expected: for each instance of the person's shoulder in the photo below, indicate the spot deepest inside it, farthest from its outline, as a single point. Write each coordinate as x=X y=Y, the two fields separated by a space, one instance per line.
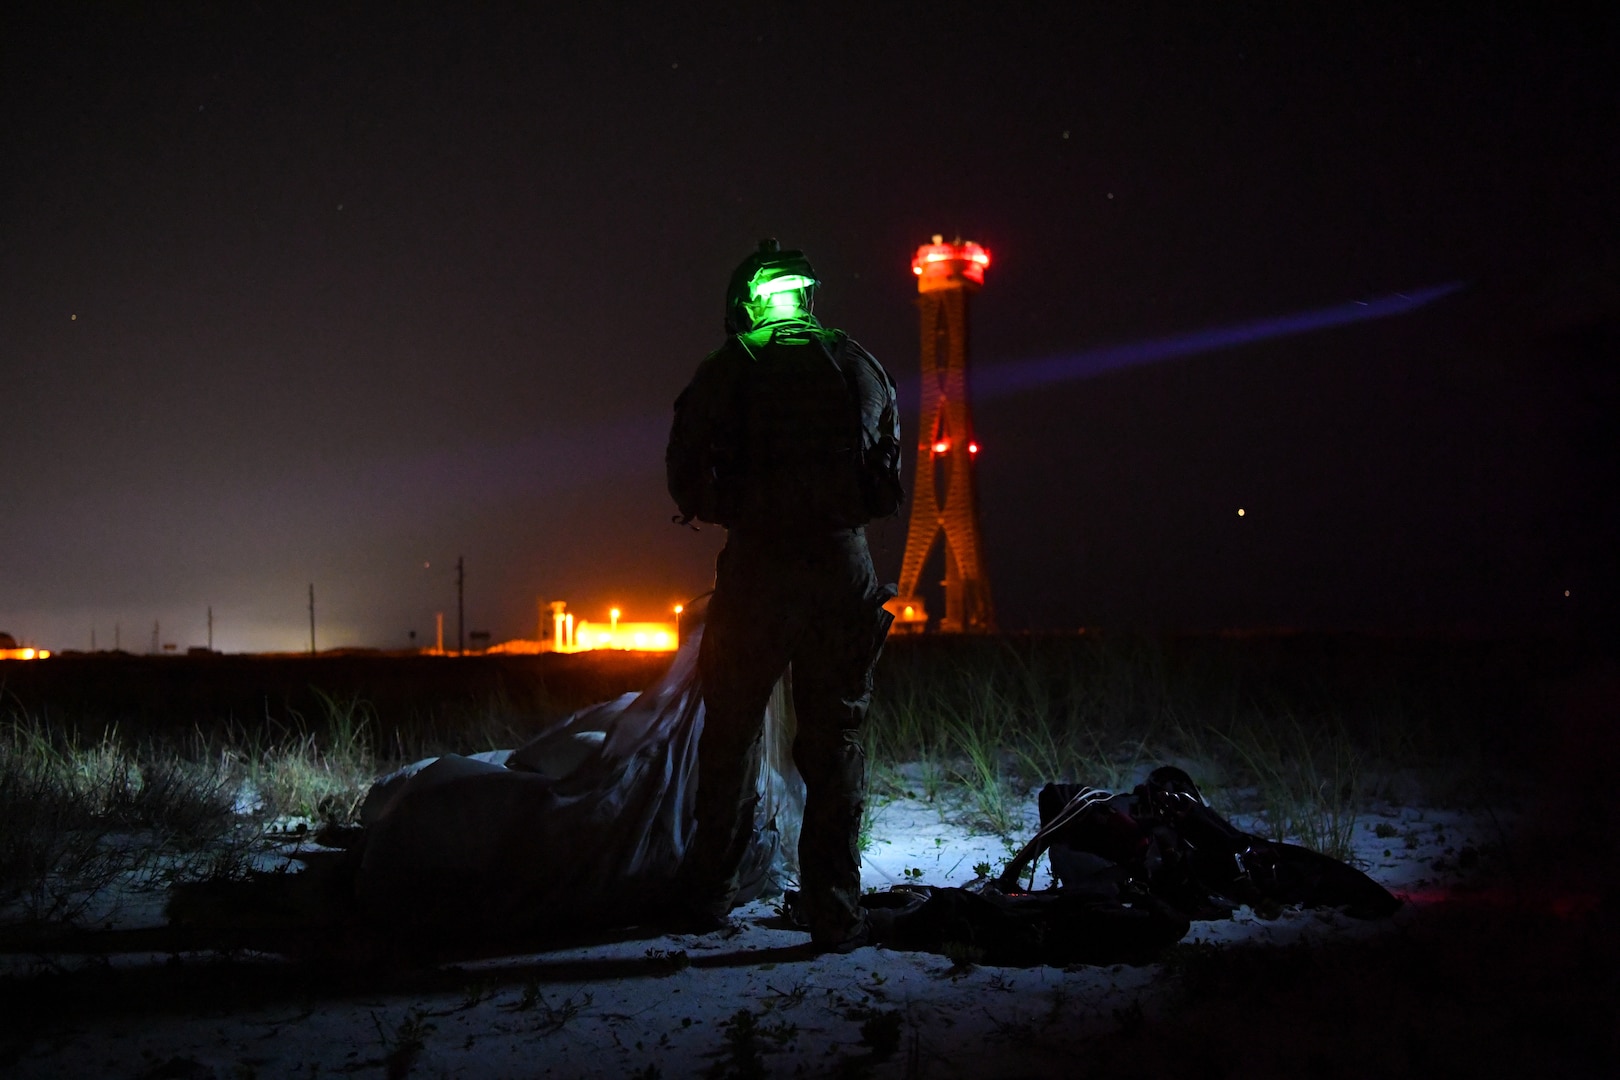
x=840 y=341
x=721 y=361
x=715 y=373
x=849 y=350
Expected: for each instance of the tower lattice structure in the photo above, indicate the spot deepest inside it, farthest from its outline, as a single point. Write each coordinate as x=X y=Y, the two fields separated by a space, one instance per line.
x=943 y=500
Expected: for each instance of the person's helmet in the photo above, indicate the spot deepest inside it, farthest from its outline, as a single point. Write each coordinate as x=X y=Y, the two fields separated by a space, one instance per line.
x=767 y=273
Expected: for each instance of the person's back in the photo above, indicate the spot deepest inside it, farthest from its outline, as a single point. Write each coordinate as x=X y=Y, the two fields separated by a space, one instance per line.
x=788 y=436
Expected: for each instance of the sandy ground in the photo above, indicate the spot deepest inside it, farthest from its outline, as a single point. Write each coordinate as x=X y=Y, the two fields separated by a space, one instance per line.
x=1302 y=993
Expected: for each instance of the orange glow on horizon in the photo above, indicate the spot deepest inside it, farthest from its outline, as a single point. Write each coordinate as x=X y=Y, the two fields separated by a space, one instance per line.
x=25 y=654
x=571 y=636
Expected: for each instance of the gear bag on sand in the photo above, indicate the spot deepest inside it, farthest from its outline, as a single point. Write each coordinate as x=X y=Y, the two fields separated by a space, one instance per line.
x=1133 y=871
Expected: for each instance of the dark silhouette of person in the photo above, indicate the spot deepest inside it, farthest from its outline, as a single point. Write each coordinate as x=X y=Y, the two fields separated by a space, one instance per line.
x=788 y=435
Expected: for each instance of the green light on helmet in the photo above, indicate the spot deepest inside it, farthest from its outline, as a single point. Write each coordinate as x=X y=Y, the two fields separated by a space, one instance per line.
x=783 y=284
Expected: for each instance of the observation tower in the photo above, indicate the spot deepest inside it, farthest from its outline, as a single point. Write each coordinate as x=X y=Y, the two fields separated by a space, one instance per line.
x=943 y=502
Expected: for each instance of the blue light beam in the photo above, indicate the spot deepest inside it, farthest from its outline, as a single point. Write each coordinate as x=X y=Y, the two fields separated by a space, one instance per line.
x=999 y=380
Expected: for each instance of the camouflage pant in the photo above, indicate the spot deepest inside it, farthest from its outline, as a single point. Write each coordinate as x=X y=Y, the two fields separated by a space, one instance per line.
x=813 y=603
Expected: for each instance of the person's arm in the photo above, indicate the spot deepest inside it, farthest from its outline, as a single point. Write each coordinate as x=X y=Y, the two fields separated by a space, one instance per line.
x=880 y=412
x=689 y=455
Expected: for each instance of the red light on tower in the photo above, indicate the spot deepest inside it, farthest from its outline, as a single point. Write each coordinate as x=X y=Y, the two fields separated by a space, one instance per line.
x=942 y=266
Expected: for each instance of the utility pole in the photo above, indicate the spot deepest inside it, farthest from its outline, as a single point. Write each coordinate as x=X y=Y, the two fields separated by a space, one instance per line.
x=92 y=637
x=156 y=648
x=461 y=612
x=312 y=618
x=210 y=627
x=118 y=643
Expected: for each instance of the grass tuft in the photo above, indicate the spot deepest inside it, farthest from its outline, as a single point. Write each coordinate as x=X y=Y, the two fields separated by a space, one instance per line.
x=1288 y=739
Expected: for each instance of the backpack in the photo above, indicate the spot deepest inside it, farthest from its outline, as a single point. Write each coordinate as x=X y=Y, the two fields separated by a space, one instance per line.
x=804 y=436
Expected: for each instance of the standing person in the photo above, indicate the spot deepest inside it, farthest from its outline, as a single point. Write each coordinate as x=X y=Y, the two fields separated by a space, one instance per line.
x=788 y=435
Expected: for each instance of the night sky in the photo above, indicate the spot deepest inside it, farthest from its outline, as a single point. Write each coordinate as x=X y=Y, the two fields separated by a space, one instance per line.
x=337 y=298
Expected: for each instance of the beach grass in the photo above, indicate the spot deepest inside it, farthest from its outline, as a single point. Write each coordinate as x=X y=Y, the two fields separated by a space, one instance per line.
x=1292 y=737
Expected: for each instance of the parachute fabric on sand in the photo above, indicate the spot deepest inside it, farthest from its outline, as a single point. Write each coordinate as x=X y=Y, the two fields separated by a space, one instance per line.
x=584 y=826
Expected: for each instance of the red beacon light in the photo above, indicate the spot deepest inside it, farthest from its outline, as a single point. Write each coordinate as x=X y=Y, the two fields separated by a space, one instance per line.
x=973 y=448
x=942 y=447
x=942 y=266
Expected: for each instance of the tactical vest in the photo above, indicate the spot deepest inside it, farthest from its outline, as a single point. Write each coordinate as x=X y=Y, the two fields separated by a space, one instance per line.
x=814 y=445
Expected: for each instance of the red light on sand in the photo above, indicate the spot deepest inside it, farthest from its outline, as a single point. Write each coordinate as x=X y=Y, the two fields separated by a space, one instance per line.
x=1543 y=898
x=941 y=447
x=938 y=264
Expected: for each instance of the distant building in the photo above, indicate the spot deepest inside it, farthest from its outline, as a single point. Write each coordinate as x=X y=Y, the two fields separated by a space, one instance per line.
x=559 y=632
x=10 y=650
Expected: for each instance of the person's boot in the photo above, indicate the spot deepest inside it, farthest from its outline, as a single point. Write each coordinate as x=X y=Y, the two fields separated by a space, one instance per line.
x=873 y=929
